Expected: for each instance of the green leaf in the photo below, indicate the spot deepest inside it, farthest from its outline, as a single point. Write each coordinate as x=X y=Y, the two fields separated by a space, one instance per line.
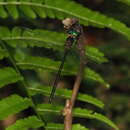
x=3 y=13
x=90 y=74
x=75 y=10
x=16 y=32
x=4 y=32
x=42 y=38
x=54 y=126
x=36 y=37
x=65 y=94
x=12 y=9
x=3 y=53
x=68 y=9
x=95 y=55
x=27 y=9
x=77 y=112
x=12 y=105
x=39 y=10
x=26 y=123
x=8 y=75
x=37 y=63
x=83 y=113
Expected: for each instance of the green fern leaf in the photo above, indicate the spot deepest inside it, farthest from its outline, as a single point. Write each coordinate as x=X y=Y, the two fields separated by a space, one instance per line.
x=4 y=32
x=8 y=75
x=26 y=123
x=65 y=94
x=27 y=9
x=3 y=53
x=54 y=126
x=77 y=112
x=37 y=63
x=16 y=32
x=68 y=9
x=73 y=9
x=12 y=105
x=90 y=74
x=3 y=13
x=26 y=37
x=12 y=9
x=83 y=113
x=39 y=10
x=95 y=55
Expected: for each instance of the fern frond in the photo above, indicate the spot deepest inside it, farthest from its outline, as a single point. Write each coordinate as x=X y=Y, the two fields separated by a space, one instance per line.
x=37 y=63
x=91 y=74
x=3 y=53
x=83 y=113
x=12 y=105
x=77 y=112
x=42 y=38
x=61 y=9
x=26 y=123
x=27 y=37
x=64 y=93
x=34 y=122
x=8 y=75
x=54 y=126
x=95 y=55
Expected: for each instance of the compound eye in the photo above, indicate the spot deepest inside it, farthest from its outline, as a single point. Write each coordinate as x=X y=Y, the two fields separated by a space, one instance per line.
x=67 y=22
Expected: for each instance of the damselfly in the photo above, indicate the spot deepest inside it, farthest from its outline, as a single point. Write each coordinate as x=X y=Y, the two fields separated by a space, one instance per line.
x=74 y=31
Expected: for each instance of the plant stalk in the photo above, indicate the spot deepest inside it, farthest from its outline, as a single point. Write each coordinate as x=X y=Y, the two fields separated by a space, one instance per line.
x=68 y=110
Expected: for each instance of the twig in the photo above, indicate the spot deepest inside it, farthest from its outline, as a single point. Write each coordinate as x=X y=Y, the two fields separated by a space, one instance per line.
x=70 y=103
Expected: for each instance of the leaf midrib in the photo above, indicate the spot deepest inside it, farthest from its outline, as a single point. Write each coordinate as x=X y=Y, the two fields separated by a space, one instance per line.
x=50 y=7
x=28 y=38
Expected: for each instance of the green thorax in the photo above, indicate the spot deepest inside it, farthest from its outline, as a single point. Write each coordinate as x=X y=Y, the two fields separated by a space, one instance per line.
x=73 y=32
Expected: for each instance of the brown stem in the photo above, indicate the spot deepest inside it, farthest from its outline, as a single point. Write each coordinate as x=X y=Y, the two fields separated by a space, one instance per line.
x=70 y=103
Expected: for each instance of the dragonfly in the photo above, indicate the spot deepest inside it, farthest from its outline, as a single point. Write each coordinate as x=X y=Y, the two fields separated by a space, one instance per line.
x=73 y=30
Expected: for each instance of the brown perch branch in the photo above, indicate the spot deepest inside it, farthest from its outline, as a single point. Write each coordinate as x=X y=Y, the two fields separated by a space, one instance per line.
x=70 y=103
